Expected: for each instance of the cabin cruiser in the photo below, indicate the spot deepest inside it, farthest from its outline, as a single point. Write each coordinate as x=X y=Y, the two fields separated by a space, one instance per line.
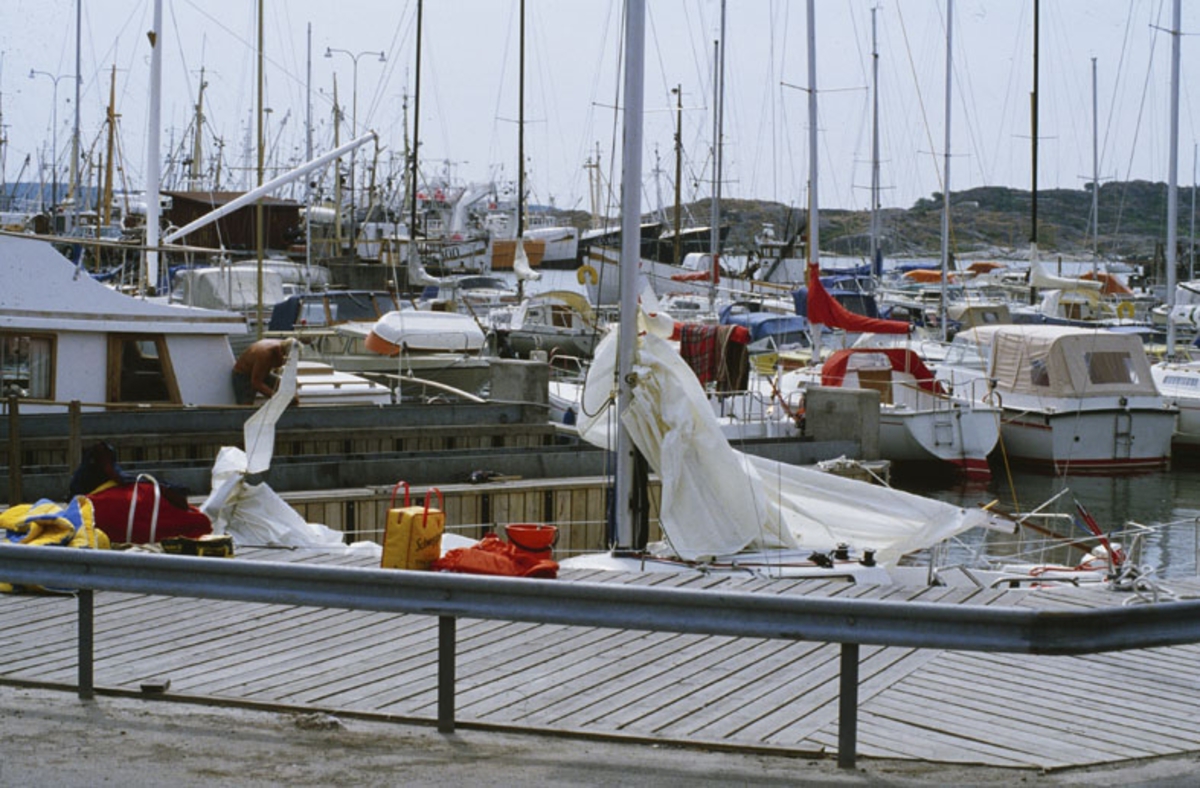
x=1073 y=399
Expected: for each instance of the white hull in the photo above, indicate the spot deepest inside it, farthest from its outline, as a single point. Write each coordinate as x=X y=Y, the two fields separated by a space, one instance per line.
x=69 y=337
x=1112 y=439
x=959 y=436
x=1180 y=386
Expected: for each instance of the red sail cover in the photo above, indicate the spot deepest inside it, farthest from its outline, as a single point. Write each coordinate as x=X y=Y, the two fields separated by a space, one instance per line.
x=824 y=310
x=833 y=372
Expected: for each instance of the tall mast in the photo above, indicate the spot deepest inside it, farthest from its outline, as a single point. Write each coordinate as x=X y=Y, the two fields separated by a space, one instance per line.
x=259 y=218
x=521 y=136
x=107 y=199
x=718 y=160
x=198 y=138
x=75 y=190
x=337 y=179
x=946 y=169
x=627 y=507
x=1033 y=119
x=678 y=91
x=1192 y=238
x=1095 y=170
x=876 y=262
x=415 y=157
x=812 y=255
x=308 y=148
x=1173 y=180
x=153 y=143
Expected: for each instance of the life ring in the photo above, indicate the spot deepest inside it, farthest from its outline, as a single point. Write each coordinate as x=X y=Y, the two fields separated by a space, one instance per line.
x=586 y=273
x=1125 y=310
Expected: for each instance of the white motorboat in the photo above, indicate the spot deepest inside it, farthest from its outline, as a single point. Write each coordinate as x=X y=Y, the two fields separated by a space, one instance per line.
x=1179 y=383
x=1074 y=400
x=919 y=420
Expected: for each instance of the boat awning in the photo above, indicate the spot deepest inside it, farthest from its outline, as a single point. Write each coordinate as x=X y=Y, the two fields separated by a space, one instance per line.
x=1061 y=361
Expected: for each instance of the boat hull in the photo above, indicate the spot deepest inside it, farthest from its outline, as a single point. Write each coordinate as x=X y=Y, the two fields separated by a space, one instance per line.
x=960 y=437
x=1090 y=441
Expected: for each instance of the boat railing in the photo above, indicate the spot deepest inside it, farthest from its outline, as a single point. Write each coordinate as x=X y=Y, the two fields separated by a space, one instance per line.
x=852 y=623
x=752 y=407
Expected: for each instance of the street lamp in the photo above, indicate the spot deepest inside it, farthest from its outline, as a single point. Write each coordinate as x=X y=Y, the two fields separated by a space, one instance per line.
x=354 y=56
x=33 y=73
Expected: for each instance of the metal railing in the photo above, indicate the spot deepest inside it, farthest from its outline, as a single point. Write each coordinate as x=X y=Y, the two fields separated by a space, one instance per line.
x=849 y=622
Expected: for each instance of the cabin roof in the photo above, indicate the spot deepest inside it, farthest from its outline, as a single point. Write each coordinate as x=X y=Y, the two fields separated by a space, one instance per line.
x=41 y=292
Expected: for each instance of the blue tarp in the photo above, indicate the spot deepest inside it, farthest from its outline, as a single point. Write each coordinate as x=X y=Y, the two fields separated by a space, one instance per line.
x=784 y=328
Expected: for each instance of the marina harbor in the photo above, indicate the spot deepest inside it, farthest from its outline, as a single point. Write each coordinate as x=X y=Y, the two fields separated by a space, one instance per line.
x=492 y=392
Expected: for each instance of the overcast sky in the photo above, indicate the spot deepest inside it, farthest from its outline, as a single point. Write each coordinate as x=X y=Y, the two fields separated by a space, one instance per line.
x=469 y=89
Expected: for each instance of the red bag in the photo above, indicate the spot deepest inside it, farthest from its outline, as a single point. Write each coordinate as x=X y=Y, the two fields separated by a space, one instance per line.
x=153 y=518
x=494 y=556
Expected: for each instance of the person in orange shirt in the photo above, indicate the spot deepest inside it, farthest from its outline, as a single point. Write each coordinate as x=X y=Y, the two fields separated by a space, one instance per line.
x=255 y=370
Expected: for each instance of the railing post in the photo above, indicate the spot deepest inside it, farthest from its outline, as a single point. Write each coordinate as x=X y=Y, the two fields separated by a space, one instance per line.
x=848 y=707
x=86 y=644
x=14 y=451
x=446 y=657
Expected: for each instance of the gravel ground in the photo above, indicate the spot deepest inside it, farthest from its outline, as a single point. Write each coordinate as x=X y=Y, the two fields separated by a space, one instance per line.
x=52 y=738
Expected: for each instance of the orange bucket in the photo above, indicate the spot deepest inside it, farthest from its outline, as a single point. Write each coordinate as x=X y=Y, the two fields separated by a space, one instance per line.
x=532 y=538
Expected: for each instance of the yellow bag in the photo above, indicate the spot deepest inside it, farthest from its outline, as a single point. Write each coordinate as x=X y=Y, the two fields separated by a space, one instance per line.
x=412 y=538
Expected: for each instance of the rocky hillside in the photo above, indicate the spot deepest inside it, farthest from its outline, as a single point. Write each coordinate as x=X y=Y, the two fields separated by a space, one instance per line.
x=988 y=220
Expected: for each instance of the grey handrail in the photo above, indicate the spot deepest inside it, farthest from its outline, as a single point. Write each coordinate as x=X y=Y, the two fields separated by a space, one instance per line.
x=846 y=621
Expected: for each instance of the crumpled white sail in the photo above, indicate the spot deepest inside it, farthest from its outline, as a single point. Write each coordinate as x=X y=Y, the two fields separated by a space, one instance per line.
x=254 y=514
x=717 y=501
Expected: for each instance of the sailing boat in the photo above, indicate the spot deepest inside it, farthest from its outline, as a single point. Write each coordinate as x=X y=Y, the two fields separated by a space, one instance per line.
x=722 y=509
x=919 y=419
x=1074 y=400
x=1179 y=381
x=525 y=253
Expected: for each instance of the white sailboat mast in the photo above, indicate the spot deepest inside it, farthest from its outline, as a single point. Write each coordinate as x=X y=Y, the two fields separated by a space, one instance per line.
x=76 y=190
x=812 y=255
x=874 y=142
x=946 y=168
x=631 y=180
x=718 y=131
x=153 y=142
x=814 y=225
x=308 y=150
x=1095 y=169
x=1173 y=178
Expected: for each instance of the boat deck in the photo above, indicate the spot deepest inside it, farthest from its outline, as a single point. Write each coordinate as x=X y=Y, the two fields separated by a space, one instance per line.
x=927 y=704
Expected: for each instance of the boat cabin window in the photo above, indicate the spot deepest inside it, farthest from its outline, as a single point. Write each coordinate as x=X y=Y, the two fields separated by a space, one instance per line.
x=139 y=370
x=26 y=365
x=1039 y=375
x=561 y=316
x=1110 y=367
x=312 y=313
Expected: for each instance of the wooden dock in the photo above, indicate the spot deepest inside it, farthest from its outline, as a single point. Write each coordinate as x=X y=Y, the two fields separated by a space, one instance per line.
x=932 y=705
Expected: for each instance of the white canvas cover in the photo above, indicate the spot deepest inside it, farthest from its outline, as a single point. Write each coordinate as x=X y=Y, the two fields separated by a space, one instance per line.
x=227 y=287
x=717 y=501
x=426 y=331
x=1066 y=362
x=254 y=514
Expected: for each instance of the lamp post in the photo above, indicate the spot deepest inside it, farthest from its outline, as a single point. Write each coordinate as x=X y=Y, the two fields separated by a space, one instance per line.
x=33 y=74
x=354 y=56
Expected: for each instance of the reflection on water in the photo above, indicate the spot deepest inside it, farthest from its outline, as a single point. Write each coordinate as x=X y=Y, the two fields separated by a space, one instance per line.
x=1166 y=502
